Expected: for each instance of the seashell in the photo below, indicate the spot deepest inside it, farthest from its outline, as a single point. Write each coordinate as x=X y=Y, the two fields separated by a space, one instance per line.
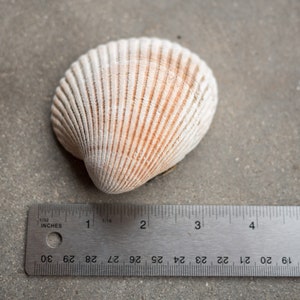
x=132 y=109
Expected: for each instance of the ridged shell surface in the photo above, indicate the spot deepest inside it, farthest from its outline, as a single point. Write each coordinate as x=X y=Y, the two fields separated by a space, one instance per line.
x=132 y=109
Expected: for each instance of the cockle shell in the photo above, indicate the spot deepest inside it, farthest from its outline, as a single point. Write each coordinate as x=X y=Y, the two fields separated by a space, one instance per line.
x=132 y=109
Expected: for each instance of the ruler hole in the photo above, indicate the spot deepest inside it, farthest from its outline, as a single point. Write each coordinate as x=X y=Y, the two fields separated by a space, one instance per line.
x=54 y=239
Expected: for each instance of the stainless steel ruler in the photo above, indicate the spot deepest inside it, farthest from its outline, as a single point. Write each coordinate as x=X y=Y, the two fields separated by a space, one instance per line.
x=163 y=240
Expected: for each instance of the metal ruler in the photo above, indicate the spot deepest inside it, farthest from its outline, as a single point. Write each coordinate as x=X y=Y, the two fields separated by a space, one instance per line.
x=163 y=240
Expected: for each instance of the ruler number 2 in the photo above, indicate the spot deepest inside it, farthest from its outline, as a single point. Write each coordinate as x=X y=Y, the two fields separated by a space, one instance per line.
x=143 y=224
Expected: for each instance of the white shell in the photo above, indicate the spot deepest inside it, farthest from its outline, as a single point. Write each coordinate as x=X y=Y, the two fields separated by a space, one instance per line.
x=132 y=109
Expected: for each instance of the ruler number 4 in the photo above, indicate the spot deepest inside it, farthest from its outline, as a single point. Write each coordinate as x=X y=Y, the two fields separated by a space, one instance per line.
x=252 y=226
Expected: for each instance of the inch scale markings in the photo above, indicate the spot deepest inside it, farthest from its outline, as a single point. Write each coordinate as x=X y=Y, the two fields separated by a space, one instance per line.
x=163 y=240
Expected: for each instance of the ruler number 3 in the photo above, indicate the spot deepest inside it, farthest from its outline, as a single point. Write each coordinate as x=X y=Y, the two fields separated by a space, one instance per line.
x=197 y=225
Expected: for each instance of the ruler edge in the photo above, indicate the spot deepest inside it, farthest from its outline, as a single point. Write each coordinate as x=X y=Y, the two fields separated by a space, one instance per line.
x=39 y=206
x=31 y=213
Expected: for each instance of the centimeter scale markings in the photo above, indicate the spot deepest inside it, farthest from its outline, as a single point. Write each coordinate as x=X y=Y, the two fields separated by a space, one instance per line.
x=163 y=240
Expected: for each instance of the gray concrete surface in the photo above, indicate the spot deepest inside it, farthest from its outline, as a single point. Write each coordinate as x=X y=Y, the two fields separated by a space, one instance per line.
x=251 y=154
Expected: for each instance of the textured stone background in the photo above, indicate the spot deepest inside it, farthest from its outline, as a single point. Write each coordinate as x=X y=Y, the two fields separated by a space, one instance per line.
x=251 y=154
